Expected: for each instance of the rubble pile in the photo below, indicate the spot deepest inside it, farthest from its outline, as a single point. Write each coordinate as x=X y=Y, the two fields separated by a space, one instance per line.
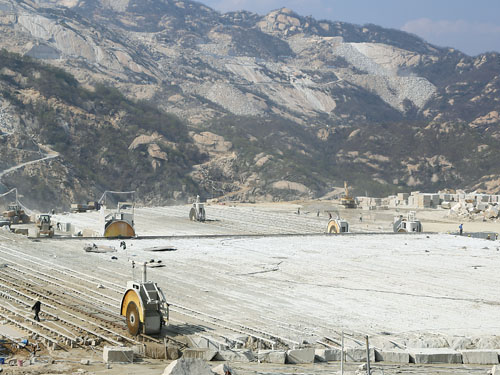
x=473 y=210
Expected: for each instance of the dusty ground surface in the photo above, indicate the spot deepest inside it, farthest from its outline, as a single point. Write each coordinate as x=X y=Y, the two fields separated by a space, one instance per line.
x=416 y=290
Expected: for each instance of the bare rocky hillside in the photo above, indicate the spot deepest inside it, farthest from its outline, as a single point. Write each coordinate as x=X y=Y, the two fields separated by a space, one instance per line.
x=279 y=106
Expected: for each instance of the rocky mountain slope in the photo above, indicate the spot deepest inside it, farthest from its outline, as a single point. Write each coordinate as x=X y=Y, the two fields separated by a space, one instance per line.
x=281 y=105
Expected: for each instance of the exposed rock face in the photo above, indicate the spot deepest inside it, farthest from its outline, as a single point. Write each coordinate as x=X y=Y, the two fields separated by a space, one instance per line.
x=282 y=104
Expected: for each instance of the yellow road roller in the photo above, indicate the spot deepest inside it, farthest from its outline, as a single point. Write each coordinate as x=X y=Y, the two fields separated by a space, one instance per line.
x=336 y=226
x=144 y=306
x=120 y=224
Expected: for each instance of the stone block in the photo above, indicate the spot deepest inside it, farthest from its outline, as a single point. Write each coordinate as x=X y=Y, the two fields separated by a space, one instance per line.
x=327 y=355
x=272 y=356
x=393 y=356
x=199 y=353
x=495 y=370
x=188 y=366
x=358 y=354
x=117 y=354
x=435 y=355
x=298 y=356
x=239 y=355
x=480 y=357
x=173 y=352
x=206 y=342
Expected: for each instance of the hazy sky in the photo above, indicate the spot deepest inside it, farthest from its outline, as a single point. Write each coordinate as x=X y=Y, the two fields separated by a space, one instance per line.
x=470 y=26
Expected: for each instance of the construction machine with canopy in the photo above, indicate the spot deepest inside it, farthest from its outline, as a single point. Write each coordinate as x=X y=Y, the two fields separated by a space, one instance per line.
x=120 y=223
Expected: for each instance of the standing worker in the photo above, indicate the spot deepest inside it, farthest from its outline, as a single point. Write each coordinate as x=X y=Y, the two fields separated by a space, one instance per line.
x=36 y=307
x=361 y=218
x=461 y=228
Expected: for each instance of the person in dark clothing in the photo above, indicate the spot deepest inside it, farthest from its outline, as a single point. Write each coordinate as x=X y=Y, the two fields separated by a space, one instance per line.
x=36 y=307
x=461 y=228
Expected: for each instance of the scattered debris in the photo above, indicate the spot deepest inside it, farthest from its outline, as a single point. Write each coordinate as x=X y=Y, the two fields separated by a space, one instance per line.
x=160 y=248
x=93 y=248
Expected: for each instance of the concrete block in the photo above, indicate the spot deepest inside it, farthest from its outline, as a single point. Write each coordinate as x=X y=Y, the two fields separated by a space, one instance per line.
x=435 y=355
x=393 y=356
x=358 y=354
x=297 y=356
x=239 y=355
x=480 y=357
x=200 y=353
x=495 y=370
x=272 y=356
x=117 y=354
x=327 y=355
x=188 y=366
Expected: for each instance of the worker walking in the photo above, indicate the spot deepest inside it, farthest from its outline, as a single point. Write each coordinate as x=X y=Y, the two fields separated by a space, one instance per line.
x=461 y=228
x=36 y=307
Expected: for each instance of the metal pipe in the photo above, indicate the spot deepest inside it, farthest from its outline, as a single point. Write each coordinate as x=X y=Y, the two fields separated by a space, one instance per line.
x=367 y=355
x=144 y=273
x=342 y=354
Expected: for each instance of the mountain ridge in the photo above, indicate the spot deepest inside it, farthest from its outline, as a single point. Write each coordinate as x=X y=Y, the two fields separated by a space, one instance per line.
x=264 y=96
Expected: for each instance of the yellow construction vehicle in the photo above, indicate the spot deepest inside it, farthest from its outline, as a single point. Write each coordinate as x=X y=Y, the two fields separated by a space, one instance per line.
x=120 y=224
x=15 y=214
x=144 y=306
x=44 y=227
x=347 y=201
x=336 y=226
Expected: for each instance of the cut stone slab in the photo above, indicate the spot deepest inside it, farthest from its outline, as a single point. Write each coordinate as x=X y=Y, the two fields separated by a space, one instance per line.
x=358 y=354
x=495 y=370
x=435 y=355
x=12 y=332
x=272 y=356
x=393 y=356
x=200 y=353
x=235 y=355
x=480 y=357
x=205 y=342
x=327 y=355
x=188 y=366
x=118 y=354
x=223 y=369
x=298 y=356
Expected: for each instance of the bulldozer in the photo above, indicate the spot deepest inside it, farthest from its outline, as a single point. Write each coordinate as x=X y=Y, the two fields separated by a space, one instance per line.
x=44 y=227
x=347 y=201
x=197 y=212
x=15 y=214
x=144 y=306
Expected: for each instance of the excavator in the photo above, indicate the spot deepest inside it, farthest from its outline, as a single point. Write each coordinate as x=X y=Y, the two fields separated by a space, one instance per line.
x=347 y=201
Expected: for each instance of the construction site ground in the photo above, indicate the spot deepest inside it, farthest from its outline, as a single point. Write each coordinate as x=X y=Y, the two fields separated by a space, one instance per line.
x=280 y=279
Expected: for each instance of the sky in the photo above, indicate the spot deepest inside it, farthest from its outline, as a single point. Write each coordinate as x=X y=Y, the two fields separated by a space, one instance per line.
x=470 y=26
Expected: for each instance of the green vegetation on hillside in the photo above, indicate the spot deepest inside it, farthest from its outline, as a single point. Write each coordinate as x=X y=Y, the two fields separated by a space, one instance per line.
x=93 y=129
